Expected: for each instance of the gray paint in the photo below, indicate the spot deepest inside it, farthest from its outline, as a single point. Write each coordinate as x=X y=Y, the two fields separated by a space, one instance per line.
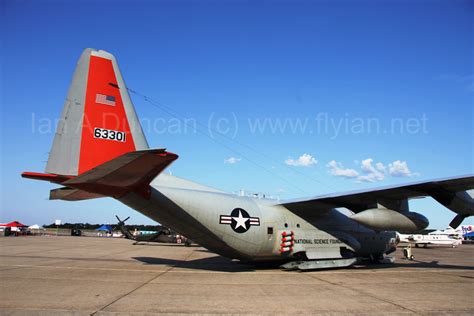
x=64 y=155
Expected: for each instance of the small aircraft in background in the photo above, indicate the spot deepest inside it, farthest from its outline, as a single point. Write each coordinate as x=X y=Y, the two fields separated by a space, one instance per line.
x=433 y=239
x=457 y=233
x=164 y=235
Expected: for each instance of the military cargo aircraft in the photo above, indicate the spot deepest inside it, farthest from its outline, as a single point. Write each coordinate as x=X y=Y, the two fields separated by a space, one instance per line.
x=159 y=236
x=99 y=150
x=163 y=235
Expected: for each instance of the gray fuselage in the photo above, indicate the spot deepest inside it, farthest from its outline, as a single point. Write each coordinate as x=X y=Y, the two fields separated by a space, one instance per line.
x=203 y=214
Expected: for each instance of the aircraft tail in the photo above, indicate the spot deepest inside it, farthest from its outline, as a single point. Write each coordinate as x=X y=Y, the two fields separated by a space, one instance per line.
x=99 y=143
x=98 y=122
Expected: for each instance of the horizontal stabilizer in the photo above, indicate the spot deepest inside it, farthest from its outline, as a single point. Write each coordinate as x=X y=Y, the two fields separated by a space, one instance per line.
x=132 y=171
x=70 y=194
x=54 y=178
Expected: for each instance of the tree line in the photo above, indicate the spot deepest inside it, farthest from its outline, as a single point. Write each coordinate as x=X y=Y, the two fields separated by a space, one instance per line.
x=88 y=226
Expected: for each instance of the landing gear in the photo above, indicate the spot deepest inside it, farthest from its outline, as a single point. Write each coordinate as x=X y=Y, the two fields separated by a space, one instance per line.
x=376 y=258
x=319 y=264
x=407 y=253
x=380 y=258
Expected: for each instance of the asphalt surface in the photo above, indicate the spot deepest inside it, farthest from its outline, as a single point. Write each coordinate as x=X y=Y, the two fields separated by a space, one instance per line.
x=107 y=276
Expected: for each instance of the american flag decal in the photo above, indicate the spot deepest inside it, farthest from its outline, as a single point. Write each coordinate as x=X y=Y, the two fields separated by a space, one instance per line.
x=105 y=99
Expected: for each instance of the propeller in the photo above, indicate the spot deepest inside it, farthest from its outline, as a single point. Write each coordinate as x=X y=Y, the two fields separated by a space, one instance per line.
x=120 y=223
x=457 y=220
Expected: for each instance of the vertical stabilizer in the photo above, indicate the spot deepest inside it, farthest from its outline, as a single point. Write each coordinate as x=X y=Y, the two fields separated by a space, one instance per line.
x=98 y=122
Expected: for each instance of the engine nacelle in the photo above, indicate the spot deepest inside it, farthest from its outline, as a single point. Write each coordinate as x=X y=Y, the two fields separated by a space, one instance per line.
x=385 y=219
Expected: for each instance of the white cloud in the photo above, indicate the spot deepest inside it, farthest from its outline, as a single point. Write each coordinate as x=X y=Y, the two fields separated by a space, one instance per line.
x=372 y=173
x=305 y=160
x=232 y=160
x=336 y=169
x=371 y=177
x=380 y=167
x=399 y=169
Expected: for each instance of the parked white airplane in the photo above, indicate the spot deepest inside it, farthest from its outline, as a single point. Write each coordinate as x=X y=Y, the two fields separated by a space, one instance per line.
x=457 y=233
x=430 y=239
x=99 y=150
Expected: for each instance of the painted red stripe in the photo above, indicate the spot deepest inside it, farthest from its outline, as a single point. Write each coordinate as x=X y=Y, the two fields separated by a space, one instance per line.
x=96 y=151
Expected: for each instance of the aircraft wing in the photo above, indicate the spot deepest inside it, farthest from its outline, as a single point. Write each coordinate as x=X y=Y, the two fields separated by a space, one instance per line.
x=450 y=192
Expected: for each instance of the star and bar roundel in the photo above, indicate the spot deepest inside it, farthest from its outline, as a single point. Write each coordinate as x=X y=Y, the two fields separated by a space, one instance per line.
x=239 y=220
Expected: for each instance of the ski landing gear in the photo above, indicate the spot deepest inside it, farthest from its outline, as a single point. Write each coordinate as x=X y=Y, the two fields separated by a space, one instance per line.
x=318 y=264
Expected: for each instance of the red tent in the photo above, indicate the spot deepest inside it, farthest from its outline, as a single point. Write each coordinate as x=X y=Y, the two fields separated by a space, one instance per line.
x=15 y=224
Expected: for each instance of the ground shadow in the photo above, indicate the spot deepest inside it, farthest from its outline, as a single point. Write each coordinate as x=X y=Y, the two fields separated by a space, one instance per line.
x=222 y=264
x=414 y=264
x=216 y=263
x=156 y=244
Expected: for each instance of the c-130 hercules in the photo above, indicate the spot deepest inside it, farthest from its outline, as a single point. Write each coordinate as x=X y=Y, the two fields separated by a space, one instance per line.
x=99 y=150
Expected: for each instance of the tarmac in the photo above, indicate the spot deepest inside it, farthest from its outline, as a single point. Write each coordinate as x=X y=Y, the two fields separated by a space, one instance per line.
x=109 y=276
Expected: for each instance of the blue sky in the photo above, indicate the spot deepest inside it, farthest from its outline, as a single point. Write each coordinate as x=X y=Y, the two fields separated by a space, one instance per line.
x=382 y=90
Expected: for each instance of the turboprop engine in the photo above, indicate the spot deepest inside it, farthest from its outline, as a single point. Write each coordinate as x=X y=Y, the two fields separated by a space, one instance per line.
x=386 y=219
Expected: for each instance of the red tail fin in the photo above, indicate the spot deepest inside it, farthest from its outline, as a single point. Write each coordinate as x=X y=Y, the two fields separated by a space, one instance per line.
x=99 y=148
x=98 y=122
x=105 y=125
